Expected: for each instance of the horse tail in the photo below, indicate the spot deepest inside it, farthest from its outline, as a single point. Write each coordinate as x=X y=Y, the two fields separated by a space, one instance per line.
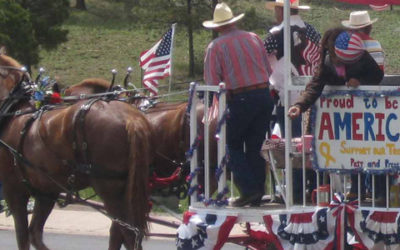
x=137 y=188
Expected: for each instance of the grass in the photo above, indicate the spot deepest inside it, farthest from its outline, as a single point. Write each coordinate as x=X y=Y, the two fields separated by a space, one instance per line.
x=102 y=39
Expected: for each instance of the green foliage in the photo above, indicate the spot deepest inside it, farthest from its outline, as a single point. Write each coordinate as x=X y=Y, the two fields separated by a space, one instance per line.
x=47 y=17
x=100 y=39
x=27 y=25
x=16 y=32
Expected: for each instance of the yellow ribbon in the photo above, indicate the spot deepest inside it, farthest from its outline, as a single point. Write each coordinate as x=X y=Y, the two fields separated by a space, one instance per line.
x=325 y=150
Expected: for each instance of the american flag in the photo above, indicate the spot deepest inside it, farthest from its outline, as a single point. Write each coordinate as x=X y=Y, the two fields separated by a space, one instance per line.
x=349 y=47
x=310 y=53
x=156 y=62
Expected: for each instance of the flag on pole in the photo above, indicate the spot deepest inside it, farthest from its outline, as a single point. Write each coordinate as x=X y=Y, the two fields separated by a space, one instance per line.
x=156 y=62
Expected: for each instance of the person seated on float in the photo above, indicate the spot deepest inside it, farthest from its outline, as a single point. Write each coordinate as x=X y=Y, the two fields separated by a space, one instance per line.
x=340 y=64
x=360 y=22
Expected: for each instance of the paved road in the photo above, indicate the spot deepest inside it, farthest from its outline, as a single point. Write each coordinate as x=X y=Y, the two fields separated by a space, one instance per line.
x=87 y=242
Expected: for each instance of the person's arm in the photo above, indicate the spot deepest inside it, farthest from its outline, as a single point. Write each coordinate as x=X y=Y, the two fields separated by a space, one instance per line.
x=212 y=66
x=313 y=90
x=309 y=96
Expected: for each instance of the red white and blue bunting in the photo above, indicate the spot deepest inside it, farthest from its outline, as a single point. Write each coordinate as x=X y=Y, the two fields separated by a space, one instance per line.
x=339 y=226
x=204 y=231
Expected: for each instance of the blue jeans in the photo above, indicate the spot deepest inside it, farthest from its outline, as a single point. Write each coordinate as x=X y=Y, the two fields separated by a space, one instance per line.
x=247 y=124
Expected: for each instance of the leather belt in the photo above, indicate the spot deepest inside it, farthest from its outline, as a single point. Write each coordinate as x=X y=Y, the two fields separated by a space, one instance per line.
x=249 y=88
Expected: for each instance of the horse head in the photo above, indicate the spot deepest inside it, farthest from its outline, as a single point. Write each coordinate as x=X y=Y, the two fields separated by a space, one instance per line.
x=11 y=73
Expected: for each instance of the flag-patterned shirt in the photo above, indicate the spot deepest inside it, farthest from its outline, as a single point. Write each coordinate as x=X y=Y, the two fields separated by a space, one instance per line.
x=236 y=58
x=310 y=53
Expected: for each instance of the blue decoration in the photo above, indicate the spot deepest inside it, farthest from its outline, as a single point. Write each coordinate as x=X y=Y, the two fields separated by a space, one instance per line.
x=44 y=82
x=191 y=94
x=38 y=95
x=220 y=170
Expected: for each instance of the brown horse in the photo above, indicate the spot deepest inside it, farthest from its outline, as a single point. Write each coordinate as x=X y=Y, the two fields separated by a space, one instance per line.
x=95 y=143
x=170 y=123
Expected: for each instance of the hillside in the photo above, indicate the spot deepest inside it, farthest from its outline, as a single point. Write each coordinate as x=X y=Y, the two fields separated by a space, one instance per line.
x=100 y=39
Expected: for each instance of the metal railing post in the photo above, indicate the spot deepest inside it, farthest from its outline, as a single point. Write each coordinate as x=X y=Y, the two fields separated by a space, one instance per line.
x=222 y=135
x=193 y=137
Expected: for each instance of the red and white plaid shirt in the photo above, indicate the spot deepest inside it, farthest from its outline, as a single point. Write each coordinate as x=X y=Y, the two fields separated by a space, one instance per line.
x=237 y=58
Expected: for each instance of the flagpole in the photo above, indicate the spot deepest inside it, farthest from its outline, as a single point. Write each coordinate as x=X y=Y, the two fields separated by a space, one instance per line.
x=172 y=49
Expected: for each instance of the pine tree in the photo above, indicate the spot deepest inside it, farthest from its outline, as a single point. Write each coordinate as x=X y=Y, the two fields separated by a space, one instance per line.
x=29 y=25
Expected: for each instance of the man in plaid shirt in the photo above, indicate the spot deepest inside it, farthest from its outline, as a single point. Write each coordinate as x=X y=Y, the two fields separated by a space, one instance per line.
x=239 y=59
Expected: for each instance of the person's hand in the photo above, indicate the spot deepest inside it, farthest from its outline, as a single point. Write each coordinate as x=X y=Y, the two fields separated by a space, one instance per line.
x=353 y=82
x=294 y=112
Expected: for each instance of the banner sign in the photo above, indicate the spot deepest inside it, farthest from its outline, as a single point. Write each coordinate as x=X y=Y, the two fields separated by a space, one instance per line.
x=357 y=131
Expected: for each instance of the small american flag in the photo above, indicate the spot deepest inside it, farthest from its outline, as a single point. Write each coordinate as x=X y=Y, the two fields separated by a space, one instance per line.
x=349 y=47
x=311 y=53
x=156 y=62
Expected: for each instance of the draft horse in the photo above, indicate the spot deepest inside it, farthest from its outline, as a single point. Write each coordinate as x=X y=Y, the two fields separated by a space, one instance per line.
x=98 y=143
x=170 y=123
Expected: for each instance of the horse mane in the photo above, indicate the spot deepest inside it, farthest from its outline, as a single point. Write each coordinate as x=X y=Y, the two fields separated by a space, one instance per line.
x=166 y=106
x=90 y=85
x=95 y=83
x=13 y=76
x=8 y=61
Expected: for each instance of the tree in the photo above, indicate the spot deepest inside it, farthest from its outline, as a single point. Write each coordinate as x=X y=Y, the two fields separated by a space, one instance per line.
x=16 y=33
x=28 y=25
x=80 y=5
x=190 y=36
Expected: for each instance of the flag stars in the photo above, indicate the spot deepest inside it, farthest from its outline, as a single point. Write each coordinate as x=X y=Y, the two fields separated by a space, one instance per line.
x=179 y=243
x=194 y=243
x=321 y=219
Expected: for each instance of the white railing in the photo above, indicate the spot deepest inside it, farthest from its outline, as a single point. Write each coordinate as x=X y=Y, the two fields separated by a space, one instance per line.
x=389 y=84
x=220 y=90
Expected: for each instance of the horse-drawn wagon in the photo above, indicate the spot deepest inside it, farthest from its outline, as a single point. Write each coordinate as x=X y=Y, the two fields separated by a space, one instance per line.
x=347 y=139
x=355 y=132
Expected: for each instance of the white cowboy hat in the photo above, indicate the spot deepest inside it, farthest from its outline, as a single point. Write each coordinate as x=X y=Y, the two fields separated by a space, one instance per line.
x=358 y=20
x=222 y=16
x=294 y=4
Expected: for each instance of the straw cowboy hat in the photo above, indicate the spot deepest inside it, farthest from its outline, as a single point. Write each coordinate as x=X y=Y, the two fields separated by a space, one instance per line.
x=358 y=20
x=294 y=4
x=222 y=16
